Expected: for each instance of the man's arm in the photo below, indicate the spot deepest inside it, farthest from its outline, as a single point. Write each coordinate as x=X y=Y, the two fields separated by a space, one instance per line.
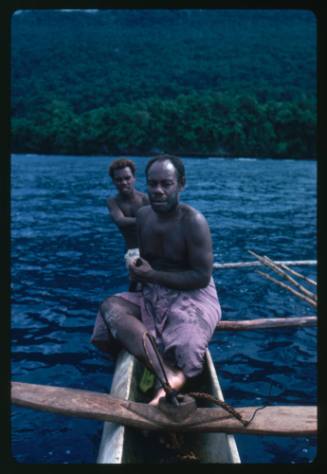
x=117 y=215
x=200 y=259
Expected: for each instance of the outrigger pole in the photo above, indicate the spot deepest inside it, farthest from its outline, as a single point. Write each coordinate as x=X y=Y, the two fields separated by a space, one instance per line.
x=270 y=420
x=266 y=323
x=217 y=265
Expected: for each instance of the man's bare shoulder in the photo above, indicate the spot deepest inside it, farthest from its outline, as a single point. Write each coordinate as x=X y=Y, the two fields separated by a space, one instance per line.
x=143 y=211
x=196 y=227
x=191 y=214
x=142 y=197
x=140 y=194
x=112 y=200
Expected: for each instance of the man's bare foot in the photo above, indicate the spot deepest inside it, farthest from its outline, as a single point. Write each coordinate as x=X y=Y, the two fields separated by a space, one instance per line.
x=176 y=380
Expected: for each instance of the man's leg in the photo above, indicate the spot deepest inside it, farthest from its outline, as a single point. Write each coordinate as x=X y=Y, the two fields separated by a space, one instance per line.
x=176 y=380
x=123 y=320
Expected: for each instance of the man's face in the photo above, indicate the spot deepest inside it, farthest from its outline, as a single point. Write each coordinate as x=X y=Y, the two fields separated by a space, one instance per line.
x=124 y=180
x=163 y=187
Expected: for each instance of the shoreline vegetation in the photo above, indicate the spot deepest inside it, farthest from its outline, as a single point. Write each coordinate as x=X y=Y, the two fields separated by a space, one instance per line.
x=150 y=155
x=187 y=82
x=195 y=125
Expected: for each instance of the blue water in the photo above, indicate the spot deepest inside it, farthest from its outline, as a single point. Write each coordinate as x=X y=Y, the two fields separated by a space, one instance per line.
x=66 y=257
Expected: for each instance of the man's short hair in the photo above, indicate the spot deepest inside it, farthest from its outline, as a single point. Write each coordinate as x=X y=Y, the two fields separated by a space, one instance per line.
x=119 y=164
x=177 y=162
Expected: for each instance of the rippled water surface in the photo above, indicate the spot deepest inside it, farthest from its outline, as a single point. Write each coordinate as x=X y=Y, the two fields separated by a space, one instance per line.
x=66 y=257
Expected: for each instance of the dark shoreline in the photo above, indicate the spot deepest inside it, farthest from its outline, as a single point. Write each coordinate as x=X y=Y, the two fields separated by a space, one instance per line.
x=183 y=156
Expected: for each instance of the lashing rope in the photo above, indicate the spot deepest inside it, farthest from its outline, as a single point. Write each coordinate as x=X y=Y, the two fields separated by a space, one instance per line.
x=225 y=406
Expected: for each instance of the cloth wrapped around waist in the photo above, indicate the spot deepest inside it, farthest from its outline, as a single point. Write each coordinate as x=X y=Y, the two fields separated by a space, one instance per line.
x=182 y=322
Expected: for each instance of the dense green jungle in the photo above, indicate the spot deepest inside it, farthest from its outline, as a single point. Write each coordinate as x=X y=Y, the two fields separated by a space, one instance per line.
x=190 y=82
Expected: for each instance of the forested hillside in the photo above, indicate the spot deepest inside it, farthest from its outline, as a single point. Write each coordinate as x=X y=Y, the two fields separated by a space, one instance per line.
x=217 y=82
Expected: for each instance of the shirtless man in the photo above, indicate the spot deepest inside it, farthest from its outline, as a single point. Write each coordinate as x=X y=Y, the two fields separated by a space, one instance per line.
x=123 y=207
x=178 y=304
x=125 y=204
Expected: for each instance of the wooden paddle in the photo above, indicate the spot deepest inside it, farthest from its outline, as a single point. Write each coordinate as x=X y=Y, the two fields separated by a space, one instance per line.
x=273 y=420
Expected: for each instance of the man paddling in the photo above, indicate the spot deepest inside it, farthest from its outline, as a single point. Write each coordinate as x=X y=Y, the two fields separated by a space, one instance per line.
x=123 y=207
x=178 y=304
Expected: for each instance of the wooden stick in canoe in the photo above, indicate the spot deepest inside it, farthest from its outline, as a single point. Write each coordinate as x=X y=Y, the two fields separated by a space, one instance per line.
x=265 y=323
x=217 y=265
x=273 y=420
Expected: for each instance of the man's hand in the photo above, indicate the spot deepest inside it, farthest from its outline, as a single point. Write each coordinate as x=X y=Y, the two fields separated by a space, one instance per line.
x=140 y=270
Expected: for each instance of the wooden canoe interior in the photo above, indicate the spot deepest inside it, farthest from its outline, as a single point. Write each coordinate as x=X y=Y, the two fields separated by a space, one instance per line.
x=120 y=444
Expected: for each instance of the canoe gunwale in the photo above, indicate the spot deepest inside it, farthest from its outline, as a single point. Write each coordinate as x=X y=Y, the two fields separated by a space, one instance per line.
x=115 y=441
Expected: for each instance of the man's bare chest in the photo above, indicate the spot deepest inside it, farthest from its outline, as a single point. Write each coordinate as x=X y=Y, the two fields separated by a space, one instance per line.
x=163 y=239
x=129 y=209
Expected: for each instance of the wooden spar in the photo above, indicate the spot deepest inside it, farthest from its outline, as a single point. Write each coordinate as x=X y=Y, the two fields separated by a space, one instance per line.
x=287 y=287
x=270 y=263
x=247 y=324
x=217 y=266
x=299 y=275
x=273 y=420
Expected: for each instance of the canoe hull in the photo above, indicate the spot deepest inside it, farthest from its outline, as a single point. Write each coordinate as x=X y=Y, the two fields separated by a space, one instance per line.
x=123 y=445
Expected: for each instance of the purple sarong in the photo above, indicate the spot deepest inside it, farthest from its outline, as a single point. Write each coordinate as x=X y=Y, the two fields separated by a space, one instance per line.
x=182 y=322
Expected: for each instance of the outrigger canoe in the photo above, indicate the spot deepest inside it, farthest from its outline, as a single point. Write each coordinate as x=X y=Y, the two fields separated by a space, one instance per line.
x=135 y=432
x=122 y=444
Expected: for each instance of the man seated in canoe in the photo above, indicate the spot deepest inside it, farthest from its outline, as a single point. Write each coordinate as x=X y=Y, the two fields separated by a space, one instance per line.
x=123 y=207
x=178 y=304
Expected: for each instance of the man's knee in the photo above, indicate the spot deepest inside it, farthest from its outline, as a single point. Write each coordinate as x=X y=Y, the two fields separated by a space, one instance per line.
x=113 y=303
x=102 y=339
x=189 y=347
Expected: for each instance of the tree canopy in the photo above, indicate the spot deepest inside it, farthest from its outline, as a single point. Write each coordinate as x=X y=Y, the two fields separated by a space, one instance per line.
x=220 y=82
